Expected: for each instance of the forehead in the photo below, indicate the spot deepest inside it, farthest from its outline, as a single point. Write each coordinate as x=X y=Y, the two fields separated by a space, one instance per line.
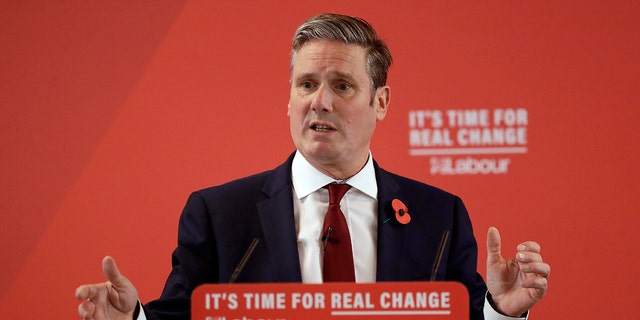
x=327 y=56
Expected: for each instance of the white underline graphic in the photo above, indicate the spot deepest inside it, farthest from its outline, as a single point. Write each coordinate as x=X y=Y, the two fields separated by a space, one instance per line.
x=388 y=313
x=464 y=151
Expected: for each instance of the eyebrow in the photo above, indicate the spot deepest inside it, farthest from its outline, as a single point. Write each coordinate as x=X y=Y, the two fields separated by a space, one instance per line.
x=339 y=74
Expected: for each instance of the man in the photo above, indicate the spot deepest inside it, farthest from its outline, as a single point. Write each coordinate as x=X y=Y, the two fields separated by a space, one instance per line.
x=338 y=93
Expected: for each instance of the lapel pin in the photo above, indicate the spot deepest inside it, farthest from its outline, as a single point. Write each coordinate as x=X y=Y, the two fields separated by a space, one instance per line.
x=401 y=210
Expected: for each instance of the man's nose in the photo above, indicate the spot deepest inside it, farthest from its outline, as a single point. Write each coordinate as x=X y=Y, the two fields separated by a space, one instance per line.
x=322 y=99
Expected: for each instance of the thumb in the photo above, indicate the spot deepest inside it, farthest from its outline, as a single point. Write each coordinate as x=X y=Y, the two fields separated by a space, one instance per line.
x=493 y=246
x=112 y=272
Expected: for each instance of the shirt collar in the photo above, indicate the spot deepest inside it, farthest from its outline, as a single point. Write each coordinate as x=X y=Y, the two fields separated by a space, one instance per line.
x=307 y=179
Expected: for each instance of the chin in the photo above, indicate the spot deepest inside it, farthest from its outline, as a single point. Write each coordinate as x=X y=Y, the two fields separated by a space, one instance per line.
x=320 y=153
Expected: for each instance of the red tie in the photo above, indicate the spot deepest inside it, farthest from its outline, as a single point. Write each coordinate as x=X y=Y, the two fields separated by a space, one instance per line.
x=337 y=263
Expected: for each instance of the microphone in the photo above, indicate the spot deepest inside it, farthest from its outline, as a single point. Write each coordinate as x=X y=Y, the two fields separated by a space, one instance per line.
x=327 y=238
x=436 y=264
x=243 y=261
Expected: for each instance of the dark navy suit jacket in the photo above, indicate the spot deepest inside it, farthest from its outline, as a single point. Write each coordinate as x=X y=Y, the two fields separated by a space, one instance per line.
x=219 y=223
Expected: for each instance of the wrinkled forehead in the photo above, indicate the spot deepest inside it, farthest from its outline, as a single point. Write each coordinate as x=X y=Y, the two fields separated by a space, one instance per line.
x=334 y=56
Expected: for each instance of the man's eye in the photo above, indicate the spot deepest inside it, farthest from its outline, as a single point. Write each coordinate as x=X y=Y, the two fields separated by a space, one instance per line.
x=307 y=85
x=343 y=86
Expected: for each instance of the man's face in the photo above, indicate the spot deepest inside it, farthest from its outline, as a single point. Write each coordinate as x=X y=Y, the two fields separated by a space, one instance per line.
x=331 y=113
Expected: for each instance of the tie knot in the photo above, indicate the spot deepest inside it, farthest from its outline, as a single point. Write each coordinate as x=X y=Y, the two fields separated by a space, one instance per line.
x=337 y=191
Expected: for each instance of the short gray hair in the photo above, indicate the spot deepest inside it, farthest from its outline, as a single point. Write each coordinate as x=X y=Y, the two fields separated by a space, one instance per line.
x=350 y=30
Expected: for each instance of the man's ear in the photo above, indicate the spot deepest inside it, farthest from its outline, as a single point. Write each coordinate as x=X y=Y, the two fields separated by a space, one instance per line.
x=381 y=102
x=289 y=104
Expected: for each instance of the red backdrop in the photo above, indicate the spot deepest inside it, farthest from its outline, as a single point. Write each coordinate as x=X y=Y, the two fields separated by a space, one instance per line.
x=111 y=113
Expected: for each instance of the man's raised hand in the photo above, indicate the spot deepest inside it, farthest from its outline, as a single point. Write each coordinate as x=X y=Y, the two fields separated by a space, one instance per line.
x=518 y=283
x=114 y=299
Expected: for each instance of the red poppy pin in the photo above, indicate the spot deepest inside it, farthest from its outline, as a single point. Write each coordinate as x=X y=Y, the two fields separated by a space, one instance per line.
x=402 y=212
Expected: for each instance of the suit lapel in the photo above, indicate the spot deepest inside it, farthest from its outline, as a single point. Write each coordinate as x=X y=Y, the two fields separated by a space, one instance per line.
x=391 y=235
x=278 y=224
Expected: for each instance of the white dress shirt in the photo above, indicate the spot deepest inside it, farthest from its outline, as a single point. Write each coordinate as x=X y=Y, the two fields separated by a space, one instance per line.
x=359 y=205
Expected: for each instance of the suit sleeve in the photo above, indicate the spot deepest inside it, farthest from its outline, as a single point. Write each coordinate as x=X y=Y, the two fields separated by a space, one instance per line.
x=463 y=257
x=194 y=262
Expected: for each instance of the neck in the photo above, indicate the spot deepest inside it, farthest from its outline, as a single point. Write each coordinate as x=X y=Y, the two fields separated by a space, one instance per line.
x=339 y=170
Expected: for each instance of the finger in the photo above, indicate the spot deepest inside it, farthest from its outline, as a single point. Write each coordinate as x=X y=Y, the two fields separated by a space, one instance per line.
x=530 y=246
x=493 y=246
x=88 y=291
x=536 y=268
x=528 y=257
x=538 y=283
x=86 y=309
x=112 y=272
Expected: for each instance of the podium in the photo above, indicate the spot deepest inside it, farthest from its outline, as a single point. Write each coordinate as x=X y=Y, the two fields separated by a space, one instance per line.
x=353 y=301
